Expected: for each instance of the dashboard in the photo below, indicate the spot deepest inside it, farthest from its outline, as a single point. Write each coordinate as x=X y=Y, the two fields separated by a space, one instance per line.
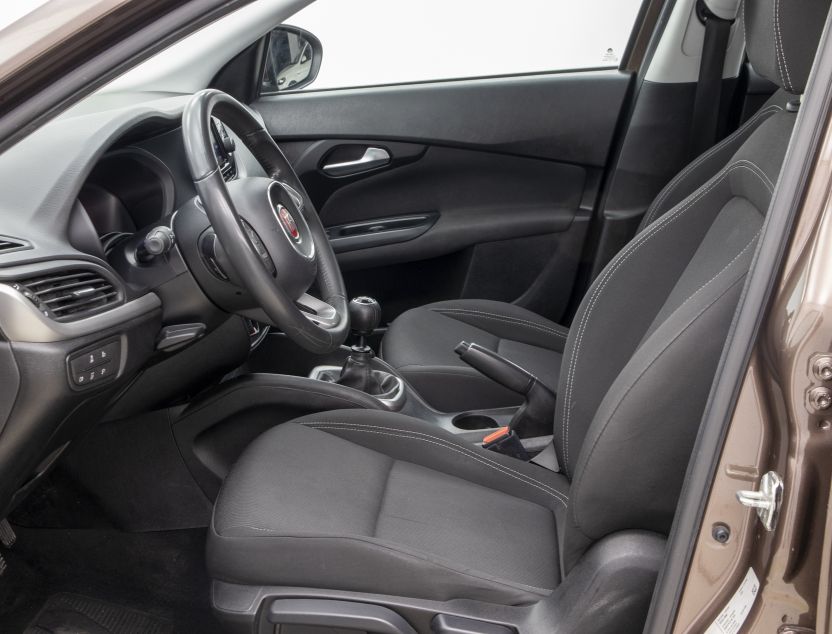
x=139 y=181
x=83 y=318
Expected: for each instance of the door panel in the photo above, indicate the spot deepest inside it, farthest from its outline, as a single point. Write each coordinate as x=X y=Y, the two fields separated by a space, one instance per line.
x=484 y=188
x=566 y=117
x=478 y=197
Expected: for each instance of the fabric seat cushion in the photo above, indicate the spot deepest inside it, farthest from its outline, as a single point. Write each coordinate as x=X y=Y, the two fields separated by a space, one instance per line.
x=380 y=502
x=420 y=345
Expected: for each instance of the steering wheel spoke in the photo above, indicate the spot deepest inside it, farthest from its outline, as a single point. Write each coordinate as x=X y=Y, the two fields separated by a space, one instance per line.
x=294 y=194
x=318 y=311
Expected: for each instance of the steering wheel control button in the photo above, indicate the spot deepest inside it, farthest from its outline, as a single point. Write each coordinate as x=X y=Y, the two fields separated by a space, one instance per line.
x=95 y=364
x=260 y=248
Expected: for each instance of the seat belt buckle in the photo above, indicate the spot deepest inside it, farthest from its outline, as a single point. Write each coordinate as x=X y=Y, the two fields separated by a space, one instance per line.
x=506 y=441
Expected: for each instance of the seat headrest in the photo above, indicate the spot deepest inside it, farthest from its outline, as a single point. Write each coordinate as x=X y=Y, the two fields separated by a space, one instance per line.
x=782 y=37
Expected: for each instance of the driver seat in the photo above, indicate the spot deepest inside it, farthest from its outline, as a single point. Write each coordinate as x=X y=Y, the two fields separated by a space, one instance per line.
x=346 y=513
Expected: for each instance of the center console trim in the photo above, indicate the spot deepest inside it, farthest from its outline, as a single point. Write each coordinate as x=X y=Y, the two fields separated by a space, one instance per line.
x=394 y=402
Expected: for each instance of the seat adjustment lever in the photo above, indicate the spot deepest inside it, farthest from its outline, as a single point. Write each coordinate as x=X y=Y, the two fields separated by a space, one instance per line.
x=449 y=624
x=338 y=614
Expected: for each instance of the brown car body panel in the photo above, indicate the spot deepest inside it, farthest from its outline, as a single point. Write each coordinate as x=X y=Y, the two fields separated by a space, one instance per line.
x=775 y=427
x=44 y=28
x=53 y=42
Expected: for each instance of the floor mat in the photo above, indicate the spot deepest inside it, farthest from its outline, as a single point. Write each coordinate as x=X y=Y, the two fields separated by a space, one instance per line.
x=157 y=574
x=66 y=613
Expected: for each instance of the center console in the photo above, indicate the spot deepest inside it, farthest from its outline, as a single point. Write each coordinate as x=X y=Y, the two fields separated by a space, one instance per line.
x=212 y=430
x=361 y=370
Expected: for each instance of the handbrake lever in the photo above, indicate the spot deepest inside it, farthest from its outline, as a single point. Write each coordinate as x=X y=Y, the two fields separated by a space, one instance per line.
x=536 y=416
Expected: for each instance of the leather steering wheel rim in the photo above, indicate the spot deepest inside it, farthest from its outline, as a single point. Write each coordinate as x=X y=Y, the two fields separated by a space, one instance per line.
x=213 y=192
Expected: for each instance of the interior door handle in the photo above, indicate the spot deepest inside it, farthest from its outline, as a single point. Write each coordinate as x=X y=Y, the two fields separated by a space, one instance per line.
x=373 y=157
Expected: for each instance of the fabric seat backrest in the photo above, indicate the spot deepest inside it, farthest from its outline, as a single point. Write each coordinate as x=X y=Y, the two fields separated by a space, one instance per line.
x=644 y=346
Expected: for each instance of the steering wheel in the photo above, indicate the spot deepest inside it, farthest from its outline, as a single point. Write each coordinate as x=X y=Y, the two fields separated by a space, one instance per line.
x=268 y=227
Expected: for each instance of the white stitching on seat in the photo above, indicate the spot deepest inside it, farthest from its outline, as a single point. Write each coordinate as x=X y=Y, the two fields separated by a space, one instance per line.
x=622 y=257
x=497 y=317
x=462 y=372
x=529 y=481
x=663 y=195
x=441 y=442
x=744 y=34
x=439 y=439
x=779 y=49
x=271 y=531
x=725 y=268
x=302 y=390
x=579 y=479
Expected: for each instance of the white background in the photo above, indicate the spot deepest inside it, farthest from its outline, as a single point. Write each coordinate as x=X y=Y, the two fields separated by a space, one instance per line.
x=368 y=42
x=11 y=10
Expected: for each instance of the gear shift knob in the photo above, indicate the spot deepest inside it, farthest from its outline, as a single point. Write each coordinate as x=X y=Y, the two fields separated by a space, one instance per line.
x=365 y=315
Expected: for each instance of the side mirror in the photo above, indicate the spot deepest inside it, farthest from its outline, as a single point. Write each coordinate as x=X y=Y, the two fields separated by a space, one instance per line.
x=293 y=58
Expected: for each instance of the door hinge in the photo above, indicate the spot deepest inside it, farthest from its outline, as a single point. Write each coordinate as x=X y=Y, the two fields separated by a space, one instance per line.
x=766 y=500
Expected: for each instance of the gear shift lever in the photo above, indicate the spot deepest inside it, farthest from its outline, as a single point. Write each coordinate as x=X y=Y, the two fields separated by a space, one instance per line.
x=357 y=372
x=365 y=315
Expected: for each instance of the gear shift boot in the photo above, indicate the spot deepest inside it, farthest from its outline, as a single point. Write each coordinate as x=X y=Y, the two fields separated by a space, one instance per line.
x=357 y=371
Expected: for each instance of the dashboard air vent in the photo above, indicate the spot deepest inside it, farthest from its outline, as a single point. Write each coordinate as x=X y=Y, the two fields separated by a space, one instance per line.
x=70 y=294
x=12 y=244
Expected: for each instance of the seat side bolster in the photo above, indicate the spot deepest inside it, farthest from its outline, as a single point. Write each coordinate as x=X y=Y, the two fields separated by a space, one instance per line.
x=250 y=556
x=411 y=440
x=705 y=166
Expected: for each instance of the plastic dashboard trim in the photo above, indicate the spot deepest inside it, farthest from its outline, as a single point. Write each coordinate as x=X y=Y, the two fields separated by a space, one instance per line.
x=21 y=321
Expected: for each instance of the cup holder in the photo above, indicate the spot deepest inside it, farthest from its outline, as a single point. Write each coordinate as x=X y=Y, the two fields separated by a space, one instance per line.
x=471 y=422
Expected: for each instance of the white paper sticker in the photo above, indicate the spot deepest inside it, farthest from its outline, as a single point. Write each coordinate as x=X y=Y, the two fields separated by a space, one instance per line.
x=733 y=615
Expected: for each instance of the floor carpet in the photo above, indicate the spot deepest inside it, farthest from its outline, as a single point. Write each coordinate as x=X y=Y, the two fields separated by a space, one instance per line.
x=158 y=576
x=65 y=612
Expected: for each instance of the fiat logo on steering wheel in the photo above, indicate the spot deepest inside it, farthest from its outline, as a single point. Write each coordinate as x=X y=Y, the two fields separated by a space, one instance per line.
x=288 y=223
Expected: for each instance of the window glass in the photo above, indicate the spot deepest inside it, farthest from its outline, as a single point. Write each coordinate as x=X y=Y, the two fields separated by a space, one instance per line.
x=377 y=42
